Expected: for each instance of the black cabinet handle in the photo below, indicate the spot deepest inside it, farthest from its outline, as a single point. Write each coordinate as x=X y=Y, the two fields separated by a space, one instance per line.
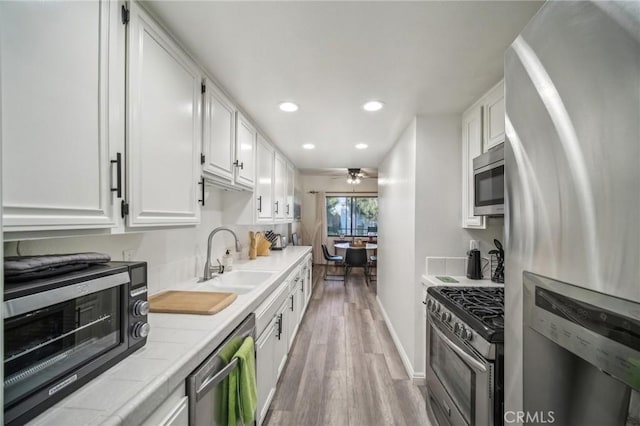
x=287 y=209
x=260 y=204
x=292 y=303
x=242 y=166
x=279 y=335
x=202 y=183
x=239 y=164
x=277 y=206
x=118 y=188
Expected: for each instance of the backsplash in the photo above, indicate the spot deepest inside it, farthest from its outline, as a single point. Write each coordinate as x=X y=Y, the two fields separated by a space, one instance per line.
x=455 y=266
x=173 y=255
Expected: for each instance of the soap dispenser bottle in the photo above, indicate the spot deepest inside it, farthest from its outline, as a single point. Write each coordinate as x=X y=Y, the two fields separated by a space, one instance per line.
x=227 y=261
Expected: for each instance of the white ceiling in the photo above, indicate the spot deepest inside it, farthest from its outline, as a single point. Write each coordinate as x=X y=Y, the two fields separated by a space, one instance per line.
x=331 y=57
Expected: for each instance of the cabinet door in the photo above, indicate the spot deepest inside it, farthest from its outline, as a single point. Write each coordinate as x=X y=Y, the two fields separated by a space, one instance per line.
x=280 y=187
x=281 y=345
x=290 y=190
x=293 y=314
x=164 y=127
x=219 y=129
x=264 y=185
x=266 y=376
x=245 y=152
x=494 y=116
x=471 y=148
x=62 y=84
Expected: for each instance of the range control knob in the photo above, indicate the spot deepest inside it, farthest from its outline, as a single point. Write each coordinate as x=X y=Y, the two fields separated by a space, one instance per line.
x=140 y=308
x=429 y=304
x=446 y=316
x=457 y=328
x=467 y=334
x=140 y=330
x=436 y=307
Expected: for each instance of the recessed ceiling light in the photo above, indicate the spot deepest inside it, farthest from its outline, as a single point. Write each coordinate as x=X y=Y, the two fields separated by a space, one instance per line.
x=362 y=146
x=373 y=106
x=288 y=106
x=308 y=146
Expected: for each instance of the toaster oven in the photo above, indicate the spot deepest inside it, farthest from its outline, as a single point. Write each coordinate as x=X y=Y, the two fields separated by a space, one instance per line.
x=62 y=331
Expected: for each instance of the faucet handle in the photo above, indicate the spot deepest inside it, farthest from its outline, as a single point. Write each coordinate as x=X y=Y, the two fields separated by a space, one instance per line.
x=220 y=267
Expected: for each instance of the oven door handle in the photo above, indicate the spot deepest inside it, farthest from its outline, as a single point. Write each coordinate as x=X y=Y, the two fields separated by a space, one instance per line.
x=477 y=365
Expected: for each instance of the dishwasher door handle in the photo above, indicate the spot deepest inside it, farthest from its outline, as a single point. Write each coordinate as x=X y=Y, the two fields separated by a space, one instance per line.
x=216 y=379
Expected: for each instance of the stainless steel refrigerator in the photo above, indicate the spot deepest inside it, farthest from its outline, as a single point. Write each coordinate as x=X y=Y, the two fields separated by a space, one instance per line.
x=572 y=222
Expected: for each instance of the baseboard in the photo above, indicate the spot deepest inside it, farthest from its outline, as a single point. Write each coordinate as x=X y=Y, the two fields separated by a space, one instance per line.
x=417 y=377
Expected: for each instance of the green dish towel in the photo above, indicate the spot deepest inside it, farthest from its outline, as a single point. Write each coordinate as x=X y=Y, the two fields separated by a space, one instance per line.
x=245 y=383
x=226 y=355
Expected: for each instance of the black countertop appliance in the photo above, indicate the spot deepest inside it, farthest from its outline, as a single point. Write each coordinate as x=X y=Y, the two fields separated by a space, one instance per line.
x=474 y=265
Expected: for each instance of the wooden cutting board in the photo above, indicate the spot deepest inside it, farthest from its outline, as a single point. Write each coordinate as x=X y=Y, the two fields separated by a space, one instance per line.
x=191 y=302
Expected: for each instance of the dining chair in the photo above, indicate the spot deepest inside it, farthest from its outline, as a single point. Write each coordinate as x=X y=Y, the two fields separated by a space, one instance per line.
x=328 y=257
x=356 y=258
x=373 y=264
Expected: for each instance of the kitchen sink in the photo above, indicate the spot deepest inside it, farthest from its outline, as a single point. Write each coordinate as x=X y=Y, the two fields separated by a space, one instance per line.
x=239 y=282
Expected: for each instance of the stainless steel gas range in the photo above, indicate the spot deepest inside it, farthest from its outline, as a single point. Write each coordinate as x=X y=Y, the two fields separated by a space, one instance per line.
x=465 y=354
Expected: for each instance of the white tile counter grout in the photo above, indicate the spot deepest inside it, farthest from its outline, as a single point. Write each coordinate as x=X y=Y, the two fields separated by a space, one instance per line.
x=130 y=391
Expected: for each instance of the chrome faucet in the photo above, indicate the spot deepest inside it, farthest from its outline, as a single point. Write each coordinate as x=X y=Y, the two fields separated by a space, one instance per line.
x=208 y=269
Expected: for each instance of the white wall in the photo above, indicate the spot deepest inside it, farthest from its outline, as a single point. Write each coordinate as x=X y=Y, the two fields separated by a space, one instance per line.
x=173 y=255
x=396 y=239
x=424 y=170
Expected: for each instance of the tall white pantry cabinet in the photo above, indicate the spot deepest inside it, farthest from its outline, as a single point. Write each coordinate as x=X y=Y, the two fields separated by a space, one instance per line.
x=62 y=114
x=164 y=127
x=64 y=102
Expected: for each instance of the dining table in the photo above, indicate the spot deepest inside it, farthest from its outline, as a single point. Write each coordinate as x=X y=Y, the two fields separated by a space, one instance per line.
x=367 y=246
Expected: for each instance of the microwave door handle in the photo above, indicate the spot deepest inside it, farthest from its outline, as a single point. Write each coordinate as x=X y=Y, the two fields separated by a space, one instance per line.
x=216 y=379
x=478 y=366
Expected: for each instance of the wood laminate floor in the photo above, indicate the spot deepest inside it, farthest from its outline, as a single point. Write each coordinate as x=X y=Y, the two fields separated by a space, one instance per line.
x=343 y=368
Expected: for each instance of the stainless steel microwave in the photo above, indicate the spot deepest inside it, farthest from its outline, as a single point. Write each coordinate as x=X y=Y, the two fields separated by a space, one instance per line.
x=488 y=183
x=62 y=331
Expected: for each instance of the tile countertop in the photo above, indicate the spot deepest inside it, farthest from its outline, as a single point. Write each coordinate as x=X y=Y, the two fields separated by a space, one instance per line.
x=131 y=390
x=463 y=281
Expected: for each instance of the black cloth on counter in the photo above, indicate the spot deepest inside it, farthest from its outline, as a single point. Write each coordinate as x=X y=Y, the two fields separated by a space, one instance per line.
x=23 y=268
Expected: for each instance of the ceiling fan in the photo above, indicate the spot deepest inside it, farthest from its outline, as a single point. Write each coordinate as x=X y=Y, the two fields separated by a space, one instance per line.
x=355 y=176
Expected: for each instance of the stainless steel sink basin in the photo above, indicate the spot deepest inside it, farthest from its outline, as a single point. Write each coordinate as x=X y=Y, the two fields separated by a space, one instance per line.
x=239 y=282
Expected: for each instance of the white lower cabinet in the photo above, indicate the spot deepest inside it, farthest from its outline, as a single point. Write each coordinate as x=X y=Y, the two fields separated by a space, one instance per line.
x=266 y=373
x=174 y=411
x=277 y=321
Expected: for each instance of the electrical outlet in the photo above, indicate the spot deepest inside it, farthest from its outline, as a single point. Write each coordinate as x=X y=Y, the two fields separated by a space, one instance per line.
x=128 y=255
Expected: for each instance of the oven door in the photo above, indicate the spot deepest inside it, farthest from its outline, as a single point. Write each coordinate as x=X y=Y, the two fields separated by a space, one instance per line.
x=460 y=389
x=51 y=337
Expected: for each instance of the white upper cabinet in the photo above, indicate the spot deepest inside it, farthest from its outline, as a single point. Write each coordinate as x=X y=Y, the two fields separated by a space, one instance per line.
x=264 y=185
x=493 y=106
x=280 y=187
x=471 y=148
x=219 y=128
x=164 y=127
x=245 y=152
x=290 y=192
x=62 y=80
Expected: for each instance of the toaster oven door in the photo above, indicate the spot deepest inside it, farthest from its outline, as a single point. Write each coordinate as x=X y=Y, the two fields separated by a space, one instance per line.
x=49 y=335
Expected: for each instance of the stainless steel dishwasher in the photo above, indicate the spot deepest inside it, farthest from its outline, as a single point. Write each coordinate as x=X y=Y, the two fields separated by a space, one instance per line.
x=205 y=384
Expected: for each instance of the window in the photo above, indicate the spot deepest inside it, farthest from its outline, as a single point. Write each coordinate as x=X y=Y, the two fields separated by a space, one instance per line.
x=352 y=216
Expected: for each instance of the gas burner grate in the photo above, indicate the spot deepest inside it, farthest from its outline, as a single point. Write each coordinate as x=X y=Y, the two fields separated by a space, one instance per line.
x=484 y=303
